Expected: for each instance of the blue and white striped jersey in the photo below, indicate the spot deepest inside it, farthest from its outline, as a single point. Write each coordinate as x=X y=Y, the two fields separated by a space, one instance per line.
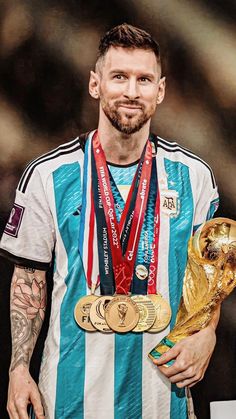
x=95 y=375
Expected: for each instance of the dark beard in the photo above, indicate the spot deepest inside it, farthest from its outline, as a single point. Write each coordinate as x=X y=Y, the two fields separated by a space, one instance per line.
x=116 y=120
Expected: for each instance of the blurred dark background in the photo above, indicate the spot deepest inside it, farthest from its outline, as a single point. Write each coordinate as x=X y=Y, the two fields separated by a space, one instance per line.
x=47 y=49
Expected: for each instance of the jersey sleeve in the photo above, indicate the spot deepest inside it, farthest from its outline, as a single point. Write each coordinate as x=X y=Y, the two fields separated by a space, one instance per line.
x=207 y=198
x=29 y=235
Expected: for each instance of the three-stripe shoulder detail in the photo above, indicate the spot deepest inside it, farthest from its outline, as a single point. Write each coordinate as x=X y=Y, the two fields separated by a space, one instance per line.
x=175 y=147
x=63 y=149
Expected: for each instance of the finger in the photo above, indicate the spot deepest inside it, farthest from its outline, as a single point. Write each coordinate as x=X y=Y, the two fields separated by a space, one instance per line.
x=38 y=410
x=21 y=407
x=168 y=356
x=187 y=383
x=179 y=366
x=198 y=378
x=191 y=381
x=185 y=375
x=12 y=411
x=37 y=404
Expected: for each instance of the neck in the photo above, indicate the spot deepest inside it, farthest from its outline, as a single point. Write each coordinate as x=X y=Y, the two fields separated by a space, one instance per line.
x=122 y=148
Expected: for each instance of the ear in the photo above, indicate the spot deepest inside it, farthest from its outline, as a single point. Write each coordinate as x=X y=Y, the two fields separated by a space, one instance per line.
x=94 y=83
x=161 y=91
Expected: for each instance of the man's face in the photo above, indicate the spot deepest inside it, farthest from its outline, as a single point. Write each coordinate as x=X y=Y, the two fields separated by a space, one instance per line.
x=129 y=88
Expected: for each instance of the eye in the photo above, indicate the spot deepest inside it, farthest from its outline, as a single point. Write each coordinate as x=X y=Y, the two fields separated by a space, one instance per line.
x=145 y=80
x=119 y=77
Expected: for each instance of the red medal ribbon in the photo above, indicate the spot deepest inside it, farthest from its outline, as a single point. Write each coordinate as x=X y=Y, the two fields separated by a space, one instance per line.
x=123 y=266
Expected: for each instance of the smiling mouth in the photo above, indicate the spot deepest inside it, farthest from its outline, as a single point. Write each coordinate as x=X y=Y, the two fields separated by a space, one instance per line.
x=130 y=107
x=131 y=104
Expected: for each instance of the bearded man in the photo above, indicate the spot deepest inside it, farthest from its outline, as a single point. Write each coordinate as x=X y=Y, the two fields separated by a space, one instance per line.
x=118 y=205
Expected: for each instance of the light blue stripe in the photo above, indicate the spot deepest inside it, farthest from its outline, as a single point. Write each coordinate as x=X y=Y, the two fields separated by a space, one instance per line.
x=128 y=376
x=71 y=370
x=180 y=232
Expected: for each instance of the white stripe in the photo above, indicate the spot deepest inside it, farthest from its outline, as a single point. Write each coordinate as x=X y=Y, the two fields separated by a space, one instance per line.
x=99 y=356
x=99 y=347
x=87 y=212
x=48 y=378
x=195 y=191
x=95 y=267
x=156 y=388
x=163 y=271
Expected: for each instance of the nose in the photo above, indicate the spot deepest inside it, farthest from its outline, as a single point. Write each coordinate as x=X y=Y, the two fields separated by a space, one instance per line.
x=132 y=89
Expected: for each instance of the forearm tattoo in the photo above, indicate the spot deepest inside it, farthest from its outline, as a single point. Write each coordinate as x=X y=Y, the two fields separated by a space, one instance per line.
x=28 y=304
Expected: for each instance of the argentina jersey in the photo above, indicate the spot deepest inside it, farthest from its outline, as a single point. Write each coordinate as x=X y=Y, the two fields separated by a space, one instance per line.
x=87 y=375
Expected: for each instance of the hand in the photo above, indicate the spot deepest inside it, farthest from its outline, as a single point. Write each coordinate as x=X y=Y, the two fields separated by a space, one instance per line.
x=191 y=355
x=22 y=391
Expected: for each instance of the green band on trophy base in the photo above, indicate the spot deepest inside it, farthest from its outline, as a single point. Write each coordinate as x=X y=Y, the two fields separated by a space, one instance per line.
x=165 y=344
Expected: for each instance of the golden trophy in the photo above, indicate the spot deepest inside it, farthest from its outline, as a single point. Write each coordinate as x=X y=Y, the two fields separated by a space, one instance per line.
x=210 y=276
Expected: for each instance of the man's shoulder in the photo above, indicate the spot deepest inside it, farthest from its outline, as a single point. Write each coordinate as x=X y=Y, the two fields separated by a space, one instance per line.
x=67 y=153
x=174 y=151
x=175 y=148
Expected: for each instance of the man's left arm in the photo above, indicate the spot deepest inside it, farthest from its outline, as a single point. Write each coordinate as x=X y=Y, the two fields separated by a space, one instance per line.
x=191 y=356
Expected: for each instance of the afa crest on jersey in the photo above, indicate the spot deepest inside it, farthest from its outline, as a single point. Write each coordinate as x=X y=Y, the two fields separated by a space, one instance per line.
x=170 y=202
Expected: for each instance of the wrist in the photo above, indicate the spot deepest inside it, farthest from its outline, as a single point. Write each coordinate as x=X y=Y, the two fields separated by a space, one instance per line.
x=211 y=328
x=18 y=368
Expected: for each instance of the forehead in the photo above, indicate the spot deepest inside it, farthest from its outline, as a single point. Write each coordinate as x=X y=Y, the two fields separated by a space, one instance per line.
x=127 y=59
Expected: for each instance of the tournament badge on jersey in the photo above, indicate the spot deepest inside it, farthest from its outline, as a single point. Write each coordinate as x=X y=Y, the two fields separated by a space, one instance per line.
x=170 y=202
x=14 y=221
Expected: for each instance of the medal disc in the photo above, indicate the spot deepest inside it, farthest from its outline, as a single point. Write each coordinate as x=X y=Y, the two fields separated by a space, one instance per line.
x=147 y=312
x=82 y=312
x=163 y=313
x=122 y=314
x=97 y=313
x=141 y=272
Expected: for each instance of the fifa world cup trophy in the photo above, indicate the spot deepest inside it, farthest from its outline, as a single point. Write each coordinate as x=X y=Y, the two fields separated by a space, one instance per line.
x=210 y=276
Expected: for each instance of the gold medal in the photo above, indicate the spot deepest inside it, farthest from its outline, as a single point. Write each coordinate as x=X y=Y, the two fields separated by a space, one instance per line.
x=147 y=312
x=122 y=314
x=163 y=313
x=141 y=272
x=82 y=312
x=97 y=313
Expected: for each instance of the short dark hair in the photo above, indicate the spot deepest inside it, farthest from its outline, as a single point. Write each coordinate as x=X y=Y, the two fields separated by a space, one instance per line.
x=128 y=36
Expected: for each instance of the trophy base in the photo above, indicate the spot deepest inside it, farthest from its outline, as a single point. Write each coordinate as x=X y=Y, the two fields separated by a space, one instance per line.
x=164 y=345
